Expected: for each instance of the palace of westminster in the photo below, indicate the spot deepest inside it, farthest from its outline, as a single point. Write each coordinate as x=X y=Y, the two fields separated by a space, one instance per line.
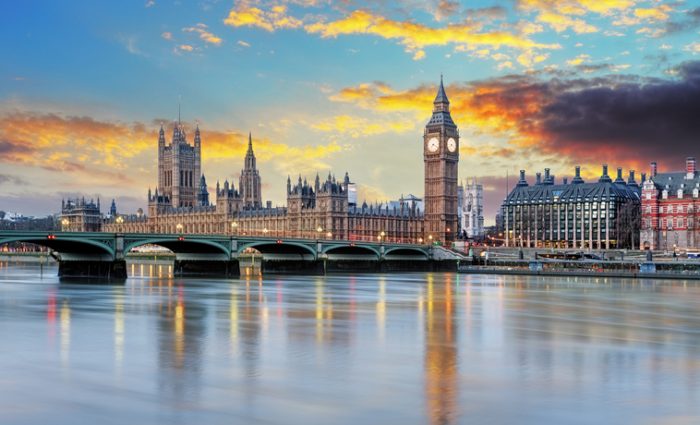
x=318 y=210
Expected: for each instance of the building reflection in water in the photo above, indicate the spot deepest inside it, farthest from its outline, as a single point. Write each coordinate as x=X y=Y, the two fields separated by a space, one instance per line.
x=118 y=327
x=182 y=331
x=65 y=333
x=441 y=372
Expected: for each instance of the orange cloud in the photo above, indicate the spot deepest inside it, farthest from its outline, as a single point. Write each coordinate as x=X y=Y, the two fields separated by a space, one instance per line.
x=275 y=18
x=204 y=34
x=415 y=36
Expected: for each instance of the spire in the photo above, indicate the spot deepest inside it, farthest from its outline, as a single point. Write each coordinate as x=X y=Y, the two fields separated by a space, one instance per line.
x=178 y=113
x=250 y=142
x=441 y=97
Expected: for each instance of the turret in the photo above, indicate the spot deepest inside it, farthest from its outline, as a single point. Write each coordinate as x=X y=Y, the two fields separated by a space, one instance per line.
x=577 y=176
x=289 y=184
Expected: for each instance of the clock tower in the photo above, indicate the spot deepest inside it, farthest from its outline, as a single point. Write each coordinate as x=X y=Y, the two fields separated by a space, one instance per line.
x=440 y=156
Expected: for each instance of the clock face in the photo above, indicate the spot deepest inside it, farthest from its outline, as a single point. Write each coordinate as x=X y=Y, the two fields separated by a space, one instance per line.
x=452 y=144
x=433 y=144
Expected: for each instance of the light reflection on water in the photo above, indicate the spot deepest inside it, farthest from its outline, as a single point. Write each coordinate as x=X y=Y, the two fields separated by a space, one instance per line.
x=396 y=348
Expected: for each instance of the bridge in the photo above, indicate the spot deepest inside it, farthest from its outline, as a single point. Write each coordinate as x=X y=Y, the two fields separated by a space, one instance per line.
x=103 y=255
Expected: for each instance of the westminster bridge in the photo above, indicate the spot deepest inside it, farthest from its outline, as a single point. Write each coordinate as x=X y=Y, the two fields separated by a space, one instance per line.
x=103 y=255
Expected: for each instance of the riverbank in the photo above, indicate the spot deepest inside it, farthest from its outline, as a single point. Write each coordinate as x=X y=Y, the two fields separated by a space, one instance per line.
x=687 y=270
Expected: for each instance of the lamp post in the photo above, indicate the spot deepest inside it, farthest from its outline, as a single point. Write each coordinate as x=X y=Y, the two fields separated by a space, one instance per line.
x=329 y=235
x=265 y=231
x=430 y=239
x=381 y=236
x=120 y=221
x=179 y=228
x=64 y=224
x=420 y=241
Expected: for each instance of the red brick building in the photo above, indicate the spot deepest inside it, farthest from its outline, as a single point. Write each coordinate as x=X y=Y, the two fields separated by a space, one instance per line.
x=671 y=209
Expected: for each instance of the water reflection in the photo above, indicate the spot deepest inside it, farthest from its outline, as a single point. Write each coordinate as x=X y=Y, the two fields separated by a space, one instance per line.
x=441 y=372
x=411 y=349
x=181 y=330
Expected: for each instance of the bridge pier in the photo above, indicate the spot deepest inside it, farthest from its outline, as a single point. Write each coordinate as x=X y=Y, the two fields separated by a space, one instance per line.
x=207 y=268
x=114 y=270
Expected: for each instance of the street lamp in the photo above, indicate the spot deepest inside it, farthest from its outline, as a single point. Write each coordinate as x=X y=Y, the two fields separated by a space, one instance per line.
x=265 y=231
x=381 y=236
x=430 y=239
x=64 y=224
x=179 y=228
x=329 y=235
x=420 y=240
x=234 y=227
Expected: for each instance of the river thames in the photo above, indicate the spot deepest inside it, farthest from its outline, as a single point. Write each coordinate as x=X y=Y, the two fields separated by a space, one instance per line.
x=417 y=348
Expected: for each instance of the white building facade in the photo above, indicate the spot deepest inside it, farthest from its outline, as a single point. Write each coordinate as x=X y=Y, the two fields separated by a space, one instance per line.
x=471 y=214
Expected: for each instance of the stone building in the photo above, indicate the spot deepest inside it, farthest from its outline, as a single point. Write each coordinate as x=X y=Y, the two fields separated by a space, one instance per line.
x=671 y=209
x=440 y=158
x=471 y=212
x=324 y=209
x=572 y=214
x=79 y=215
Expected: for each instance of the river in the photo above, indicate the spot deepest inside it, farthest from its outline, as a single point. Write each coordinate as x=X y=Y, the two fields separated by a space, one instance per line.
x=415 y=348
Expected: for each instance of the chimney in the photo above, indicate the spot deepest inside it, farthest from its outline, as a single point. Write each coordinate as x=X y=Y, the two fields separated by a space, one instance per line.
x=566 y=180
x=269 y=204
x=619 y=178
x=653 y=170
x=644 y=177
x=539 y=178
x=631 y=181
x=546 y=175
x=522 y=181
x=577 y=176
x=605 y=178
x=690 y=167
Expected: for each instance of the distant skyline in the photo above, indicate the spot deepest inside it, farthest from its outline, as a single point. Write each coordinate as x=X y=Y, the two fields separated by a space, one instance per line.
x=340 y=86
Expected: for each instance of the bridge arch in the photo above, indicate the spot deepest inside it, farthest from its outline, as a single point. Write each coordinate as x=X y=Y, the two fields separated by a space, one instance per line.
x=64 y=244
x=406 y=251
x=177 y=245
x=273 y=247
x=346 y=249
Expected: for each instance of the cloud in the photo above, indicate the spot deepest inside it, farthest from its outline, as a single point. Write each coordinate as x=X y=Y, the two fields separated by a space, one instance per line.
x=150 y=3
x=570 y=119
x=185 y=48
x=12 y=180
x=445 y=9
x=243 y=43
x=130 y=44
x=204 y=34
x=167 y=35
x=561 y=22
x=275 y=18
x=693 y=47
x=578 y=60
x=415 y=36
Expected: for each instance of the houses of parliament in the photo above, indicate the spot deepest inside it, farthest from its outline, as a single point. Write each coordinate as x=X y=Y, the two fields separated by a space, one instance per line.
x=320 y=209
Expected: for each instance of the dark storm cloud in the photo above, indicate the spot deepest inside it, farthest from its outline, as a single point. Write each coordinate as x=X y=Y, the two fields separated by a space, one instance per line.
x=647 y=119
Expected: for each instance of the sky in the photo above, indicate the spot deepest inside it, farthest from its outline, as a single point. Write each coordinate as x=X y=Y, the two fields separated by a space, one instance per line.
x=336 y=86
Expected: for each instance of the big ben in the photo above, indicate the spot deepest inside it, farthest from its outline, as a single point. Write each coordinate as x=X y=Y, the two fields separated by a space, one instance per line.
x=441 y=156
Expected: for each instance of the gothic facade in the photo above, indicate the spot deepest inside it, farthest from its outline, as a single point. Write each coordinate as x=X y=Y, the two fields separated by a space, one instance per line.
x=324 y=209
x=440 y=158
x=471 y=211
